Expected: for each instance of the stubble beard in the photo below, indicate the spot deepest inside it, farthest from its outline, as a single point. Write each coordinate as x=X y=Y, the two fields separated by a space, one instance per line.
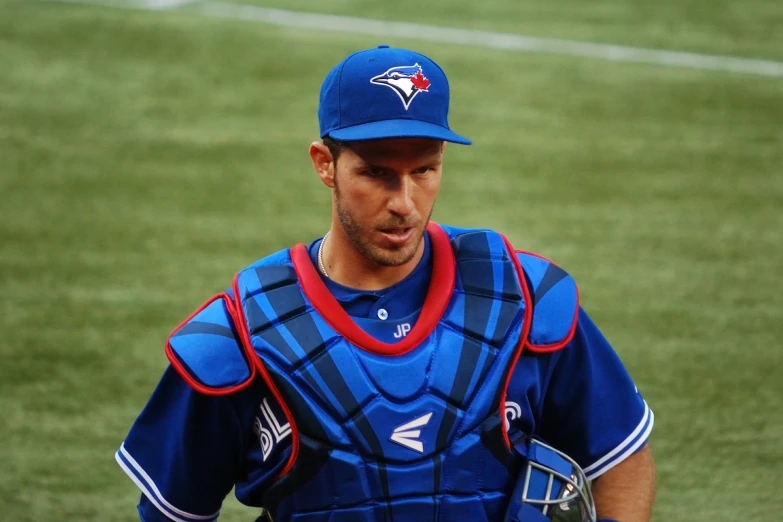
x=359 y=237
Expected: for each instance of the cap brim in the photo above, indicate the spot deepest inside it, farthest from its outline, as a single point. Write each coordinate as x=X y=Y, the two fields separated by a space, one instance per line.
x=397 y=129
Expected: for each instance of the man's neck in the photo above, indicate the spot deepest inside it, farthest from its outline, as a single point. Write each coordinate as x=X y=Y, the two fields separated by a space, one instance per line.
x=349 y=267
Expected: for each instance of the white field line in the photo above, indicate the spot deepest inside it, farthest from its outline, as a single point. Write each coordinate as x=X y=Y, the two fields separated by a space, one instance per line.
x=505 y=41
x=158 y=5
x=146 y=5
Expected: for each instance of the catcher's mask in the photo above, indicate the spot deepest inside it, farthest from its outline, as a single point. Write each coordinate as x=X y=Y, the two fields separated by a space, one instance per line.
x=551 y=487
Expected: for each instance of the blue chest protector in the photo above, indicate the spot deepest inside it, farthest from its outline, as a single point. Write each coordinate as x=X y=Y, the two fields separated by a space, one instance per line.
x=410 y=431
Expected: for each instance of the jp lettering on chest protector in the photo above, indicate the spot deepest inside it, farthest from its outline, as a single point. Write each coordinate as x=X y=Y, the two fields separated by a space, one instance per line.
x=396 y=369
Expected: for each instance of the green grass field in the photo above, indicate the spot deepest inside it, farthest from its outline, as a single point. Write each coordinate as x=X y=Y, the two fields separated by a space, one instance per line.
x=146 y=156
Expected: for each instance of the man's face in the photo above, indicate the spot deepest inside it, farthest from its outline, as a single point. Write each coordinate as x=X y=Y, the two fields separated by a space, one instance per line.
x=384 y=193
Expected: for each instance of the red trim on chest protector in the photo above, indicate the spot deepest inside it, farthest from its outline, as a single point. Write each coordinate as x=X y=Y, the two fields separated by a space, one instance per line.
x=438 y=296
x=549 y=348
x=185 y=374
x=527 y=323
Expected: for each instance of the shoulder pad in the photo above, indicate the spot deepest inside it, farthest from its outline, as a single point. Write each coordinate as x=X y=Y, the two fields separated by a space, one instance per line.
x=555 y=303
x=207 y=352
x=454 y=232
x=281 y=257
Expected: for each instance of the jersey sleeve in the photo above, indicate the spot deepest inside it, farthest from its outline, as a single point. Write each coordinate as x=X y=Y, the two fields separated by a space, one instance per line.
x=184 y=452
x=592 y=410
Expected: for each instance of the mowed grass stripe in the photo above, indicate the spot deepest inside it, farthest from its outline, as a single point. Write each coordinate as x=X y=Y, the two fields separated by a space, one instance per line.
x=486 y=39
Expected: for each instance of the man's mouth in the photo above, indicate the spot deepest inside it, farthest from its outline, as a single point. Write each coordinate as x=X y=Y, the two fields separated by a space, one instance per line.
x=397 y=235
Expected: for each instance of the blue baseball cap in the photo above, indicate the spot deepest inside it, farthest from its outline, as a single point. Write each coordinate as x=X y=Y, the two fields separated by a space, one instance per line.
x=386 y=93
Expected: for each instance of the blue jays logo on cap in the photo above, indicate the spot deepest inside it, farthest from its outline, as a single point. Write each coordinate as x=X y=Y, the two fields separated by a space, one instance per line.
x=406 y=81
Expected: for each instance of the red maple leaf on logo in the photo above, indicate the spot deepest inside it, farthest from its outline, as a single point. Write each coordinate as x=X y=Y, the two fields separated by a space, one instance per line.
x=420 y=82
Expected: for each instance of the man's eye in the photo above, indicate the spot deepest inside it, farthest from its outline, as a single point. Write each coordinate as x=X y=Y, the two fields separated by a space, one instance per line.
x=375 y=173
x=422 y=170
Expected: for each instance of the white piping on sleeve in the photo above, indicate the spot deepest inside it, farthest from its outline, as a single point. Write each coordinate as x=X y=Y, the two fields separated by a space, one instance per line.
x=155 y=496
x=630 y=445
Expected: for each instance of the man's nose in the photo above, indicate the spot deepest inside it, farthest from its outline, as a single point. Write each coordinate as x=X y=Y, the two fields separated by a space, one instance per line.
x=400 y=199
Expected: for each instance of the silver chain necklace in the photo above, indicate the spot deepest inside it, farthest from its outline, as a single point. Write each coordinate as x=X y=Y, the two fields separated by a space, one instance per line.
x=321 y=255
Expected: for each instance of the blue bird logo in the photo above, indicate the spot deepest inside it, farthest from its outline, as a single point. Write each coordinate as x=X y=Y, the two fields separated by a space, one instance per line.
x=406 y=81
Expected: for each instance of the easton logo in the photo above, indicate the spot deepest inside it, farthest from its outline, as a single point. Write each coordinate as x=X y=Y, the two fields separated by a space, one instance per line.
x=407 y=435
x=407 y=81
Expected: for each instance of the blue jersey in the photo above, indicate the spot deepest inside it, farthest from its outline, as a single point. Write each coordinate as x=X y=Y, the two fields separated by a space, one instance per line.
x=188 y=449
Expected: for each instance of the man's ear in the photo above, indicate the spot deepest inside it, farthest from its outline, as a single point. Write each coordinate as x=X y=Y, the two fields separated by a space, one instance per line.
x=323 y=163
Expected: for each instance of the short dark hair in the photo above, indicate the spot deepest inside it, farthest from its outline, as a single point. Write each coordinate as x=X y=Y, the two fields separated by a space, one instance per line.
x=335 y=147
